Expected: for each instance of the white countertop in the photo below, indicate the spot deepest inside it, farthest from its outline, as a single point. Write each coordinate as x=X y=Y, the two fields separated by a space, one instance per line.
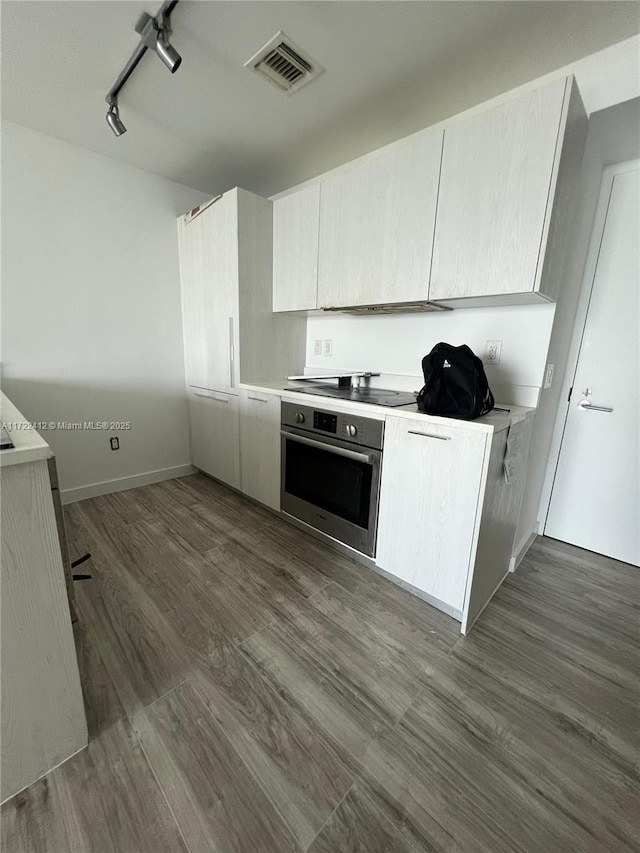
x=495 y=421
x=29 y=444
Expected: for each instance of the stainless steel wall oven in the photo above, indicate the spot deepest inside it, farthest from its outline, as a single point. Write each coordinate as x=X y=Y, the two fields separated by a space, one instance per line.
x=331 y=472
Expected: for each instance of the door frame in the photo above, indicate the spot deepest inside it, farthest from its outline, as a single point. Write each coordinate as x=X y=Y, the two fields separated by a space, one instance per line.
x=577 y=334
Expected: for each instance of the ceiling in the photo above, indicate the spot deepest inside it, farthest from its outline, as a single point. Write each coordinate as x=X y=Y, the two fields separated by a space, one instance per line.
x=391 y=68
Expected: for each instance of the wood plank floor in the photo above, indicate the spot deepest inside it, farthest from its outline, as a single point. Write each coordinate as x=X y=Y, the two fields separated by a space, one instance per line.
x=250 y=690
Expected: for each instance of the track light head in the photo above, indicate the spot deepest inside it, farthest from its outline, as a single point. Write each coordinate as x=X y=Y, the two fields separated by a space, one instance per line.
x=113 y=120
x=154 y=33
x=167 y=53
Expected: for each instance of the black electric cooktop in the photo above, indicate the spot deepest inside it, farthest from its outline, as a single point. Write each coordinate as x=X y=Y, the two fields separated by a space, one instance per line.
x=373 y=396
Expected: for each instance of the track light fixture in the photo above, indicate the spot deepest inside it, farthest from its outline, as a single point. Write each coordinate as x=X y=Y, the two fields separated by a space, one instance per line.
x=154 y=34
x=113 y=119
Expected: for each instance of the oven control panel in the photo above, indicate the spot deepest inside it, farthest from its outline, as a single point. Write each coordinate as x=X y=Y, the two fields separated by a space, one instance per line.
x=325 y=422
x=349 y=427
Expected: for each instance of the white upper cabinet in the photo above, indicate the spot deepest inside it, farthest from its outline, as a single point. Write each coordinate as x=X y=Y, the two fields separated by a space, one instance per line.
x=503 y=199
x=376 y=226
x=209 y=278
x=295 y=250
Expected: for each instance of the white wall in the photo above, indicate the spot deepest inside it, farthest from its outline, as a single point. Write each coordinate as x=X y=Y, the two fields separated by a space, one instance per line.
x=91 y=315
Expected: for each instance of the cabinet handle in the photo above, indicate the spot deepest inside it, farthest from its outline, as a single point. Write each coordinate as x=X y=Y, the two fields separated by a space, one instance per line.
x=232 y=356
x=209 y=397
x=257 y=399
x=430 y=435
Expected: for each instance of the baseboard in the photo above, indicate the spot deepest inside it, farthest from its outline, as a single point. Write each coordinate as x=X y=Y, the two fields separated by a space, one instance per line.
x=520 y=551
x=93 y=490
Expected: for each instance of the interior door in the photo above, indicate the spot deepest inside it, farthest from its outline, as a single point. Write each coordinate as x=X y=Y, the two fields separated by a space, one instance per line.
x=595 y=498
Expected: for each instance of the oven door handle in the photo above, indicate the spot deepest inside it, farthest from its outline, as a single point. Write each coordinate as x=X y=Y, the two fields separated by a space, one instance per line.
x=329 y=448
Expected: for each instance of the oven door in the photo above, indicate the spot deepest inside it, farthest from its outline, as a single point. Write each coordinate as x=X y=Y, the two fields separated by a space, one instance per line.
x=331 y=485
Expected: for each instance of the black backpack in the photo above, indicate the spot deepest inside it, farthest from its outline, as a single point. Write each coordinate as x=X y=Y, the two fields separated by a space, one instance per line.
x=455 y=384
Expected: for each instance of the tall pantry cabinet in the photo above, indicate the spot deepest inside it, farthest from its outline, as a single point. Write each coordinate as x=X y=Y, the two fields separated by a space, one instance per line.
x=230 y=332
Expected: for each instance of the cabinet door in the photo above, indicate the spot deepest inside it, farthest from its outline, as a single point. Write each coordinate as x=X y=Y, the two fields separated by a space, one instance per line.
x=497 y=170
x=429 y=494
x=215 y=440
x=295 y=250
x=376 y=226
x=260 y=447
x=209 y=280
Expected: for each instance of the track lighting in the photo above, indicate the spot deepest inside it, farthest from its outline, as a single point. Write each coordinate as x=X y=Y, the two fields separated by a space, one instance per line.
x=154 y=33
x=167 y=53
x=113 y=120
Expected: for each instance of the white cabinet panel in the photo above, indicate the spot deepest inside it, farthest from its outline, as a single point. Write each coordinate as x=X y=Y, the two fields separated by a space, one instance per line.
x=495 y=188
x=295 y=250
x=376 y=226
x=209 y=278
x=215 y=439
x=260 y=447
x=431 y=479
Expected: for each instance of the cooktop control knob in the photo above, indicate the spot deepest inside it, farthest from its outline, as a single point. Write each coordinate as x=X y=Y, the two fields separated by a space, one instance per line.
x=299 y=418
x=351 y=430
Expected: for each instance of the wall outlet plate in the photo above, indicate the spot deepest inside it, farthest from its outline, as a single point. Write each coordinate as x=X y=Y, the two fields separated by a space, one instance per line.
x=327 y=347
x=548 y=376
x=317 y=346
x=492 y=352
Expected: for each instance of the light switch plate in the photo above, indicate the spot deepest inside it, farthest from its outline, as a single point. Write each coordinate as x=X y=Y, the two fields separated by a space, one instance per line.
x=317 y=346
x=548 y=376
x=327 y=347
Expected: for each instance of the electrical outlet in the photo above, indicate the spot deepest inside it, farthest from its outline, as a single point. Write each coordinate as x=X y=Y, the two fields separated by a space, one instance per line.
x=492 y=352
x=114 y=442
x=548 y=376
x=328 y=346
x=317 y=346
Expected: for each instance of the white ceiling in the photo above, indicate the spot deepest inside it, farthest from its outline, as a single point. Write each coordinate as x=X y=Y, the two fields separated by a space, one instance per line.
x=391 y=68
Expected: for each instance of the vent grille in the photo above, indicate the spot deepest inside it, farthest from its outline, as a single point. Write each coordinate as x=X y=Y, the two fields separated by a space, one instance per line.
x=284 y=64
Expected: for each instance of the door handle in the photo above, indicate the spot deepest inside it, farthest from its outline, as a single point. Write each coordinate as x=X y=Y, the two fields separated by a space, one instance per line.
x=257 y=399
x=587 y=406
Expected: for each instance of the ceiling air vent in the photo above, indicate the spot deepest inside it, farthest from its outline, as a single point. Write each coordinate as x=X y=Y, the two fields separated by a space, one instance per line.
x=284 y=64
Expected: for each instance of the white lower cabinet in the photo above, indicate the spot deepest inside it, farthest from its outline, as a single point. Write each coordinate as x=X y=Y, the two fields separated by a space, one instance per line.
x=260 y=447
x=215 y=439
x=429 y=499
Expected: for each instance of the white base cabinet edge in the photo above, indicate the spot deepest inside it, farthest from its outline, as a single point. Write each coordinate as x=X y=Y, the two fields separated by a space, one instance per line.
x=260 y=447
x=43 y=716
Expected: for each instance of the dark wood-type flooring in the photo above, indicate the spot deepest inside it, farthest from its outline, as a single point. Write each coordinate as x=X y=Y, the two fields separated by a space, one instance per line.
x=250 y=690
